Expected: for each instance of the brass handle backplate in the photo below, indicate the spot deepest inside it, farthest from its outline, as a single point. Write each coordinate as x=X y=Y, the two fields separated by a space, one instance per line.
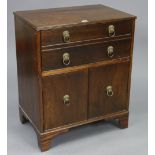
x=111 y=30
x=109 y=91
x=110 y=51
x=66 y=36
x=66 y=100
x=66 y=59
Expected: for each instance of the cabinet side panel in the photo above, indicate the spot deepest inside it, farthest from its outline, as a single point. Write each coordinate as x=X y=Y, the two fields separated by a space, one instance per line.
x=131 y=60
x=28 y=72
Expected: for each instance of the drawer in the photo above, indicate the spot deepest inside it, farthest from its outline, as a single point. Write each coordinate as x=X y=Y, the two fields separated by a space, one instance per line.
x=65 y=98
x=68 y=34
x=108 y=89
x=89 y=53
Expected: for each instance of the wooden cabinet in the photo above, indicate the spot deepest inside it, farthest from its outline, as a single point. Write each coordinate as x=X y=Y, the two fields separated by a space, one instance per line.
x=74 y=67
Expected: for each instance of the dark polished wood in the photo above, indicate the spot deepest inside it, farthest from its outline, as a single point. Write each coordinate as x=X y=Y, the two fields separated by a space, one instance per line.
x=85 y=54
x=85 y=32
x=109 y=75
x=27 y=65
x=94 y=86
x=84 y=66
x=56 y=112
x=123 y=122
x=44 y=140
x=60 y=17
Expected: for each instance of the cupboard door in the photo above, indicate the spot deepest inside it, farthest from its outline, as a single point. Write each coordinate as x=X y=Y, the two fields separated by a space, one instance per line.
x=108 y=89
x=65 y=98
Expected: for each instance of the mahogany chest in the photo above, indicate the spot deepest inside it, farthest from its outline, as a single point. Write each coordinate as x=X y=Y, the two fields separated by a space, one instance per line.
x=74 y=67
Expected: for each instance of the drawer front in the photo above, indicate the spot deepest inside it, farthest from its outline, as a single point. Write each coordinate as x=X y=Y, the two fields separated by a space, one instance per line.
x=65 y=99
x=79 y=55
x=108 y=89
x=67 y=35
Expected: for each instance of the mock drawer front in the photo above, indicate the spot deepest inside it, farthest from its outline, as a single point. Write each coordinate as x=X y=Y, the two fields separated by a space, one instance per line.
x=108 y=89
x=79 y=55
x=68 y=34
x=65 y=99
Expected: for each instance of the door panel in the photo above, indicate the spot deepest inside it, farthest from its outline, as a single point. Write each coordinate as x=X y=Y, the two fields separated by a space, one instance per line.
x=102 y=100
x=65 y=98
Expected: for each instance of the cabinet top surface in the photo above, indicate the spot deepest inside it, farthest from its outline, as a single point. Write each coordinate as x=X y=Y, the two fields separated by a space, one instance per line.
x=56 y=17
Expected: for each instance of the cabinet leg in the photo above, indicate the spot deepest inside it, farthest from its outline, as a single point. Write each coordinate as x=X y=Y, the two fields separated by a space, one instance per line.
x=43 y=143
x=123 y=122
x=44 y=139
x=22 y=117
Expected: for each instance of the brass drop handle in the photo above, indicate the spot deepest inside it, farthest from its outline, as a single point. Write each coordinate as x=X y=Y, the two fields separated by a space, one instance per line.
x=66 y=59
x=109 y=91
x=111 y=30
x=66 y=36
x=110 y=51
x=66 y=100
